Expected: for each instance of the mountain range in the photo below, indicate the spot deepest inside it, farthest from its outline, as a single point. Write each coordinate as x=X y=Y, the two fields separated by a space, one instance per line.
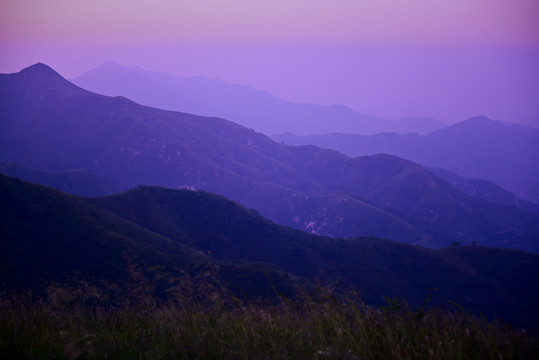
x=477 y=148
x=249 y=107
x=52 y=126
x=77 y=181
x=169 y=243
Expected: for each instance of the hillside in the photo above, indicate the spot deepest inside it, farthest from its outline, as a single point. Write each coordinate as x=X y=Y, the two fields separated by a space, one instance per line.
x=477 y=148
x=76 y=182
x=51 y=125
x=251 y=108
x=166 y=238
x=51 y=238
x=405 y=187
x=49 y=235
x=484 y=189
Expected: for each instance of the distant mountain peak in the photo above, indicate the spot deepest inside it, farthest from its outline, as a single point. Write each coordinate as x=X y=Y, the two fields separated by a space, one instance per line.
x=105 y=67
x=473 y=124
x=40 y=79
x=481 y=119
x=109 y=65
x=42 y=73
x=40 y=65
x=40 y=68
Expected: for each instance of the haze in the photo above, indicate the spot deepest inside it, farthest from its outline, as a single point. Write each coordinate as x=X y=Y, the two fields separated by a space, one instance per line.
x=390 y=58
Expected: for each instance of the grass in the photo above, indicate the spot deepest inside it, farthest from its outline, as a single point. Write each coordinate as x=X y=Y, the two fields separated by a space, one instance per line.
x=319 y=327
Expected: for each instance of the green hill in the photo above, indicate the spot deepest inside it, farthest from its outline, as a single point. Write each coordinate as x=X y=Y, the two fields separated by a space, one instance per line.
x=49 y=237
x=169 y=241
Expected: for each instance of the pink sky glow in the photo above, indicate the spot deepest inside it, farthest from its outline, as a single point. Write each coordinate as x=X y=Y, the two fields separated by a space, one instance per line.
x=389 y=58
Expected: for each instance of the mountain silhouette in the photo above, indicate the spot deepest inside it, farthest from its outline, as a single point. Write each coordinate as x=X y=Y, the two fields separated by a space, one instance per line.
x=244 y=105
x=319 y=191
x=477 y=148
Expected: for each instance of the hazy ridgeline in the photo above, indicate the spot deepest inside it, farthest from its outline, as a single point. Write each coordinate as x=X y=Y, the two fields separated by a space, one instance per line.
x=477 y=148
x=112 y=143
x=246 y=106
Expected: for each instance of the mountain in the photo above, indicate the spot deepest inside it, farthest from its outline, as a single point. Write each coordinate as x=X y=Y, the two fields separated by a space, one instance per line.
x=477 y=148
x=185 y=242
x=51 y=238
x=52 y=125
x=246 y=106
x=77 y=182
x=409 y=191
x=484 y=189
x=49 y=235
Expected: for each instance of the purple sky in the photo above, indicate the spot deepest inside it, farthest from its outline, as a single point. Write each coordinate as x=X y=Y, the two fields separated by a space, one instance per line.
x=390 y=58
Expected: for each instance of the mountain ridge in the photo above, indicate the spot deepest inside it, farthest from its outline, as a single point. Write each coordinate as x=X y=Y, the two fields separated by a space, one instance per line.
x=75 y=182
x=213 y=244
x=259 y=109
x=306 y=187
x=475 y=148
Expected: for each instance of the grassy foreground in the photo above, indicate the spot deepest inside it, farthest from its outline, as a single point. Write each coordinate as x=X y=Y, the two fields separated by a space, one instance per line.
x=322 y=328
